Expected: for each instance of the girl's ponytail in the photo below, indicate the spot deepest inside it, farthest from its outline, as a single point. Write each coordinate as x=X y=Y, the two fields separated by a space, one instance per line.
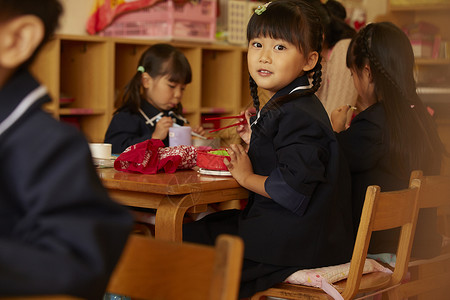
x=132 y=94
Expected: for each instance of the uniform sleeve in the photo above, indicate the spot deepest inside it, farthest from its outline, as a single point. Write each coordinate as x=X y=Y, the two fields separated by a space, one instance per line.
x=362 y=144
x=68 y=234
x=125 y=130
x=302 y=154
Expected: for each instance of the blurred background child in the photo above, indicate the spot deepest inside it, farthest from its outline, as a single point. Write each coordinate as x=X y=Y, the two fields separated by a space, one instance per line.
x=152 y=100
x=337 y=86
x=393 y=134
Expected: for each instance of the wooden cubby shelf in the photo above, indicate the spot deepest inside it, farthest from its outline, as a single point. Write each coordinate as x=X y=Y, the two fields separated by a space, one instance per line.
x=94 y=70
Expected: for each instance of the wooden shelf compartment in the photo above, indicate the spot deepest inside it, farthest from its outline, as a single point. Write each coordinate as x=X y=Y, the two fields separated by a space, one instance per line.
x=433 y=61
x=46 y=69
x=94 y=71
x=85 y=70
x=221 y=79
x=420 y=7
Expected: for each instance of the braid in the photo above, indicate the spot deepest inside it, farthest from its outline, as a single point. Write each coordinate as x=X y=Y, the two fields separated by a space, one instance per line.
x=317 y=76
x=413 y=140
x=254 y=92
x=374 y=61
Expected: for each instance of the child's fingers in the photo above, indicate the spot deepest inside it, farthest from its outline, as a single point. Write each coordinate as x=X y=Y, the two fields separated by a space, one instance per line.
x=240 y=149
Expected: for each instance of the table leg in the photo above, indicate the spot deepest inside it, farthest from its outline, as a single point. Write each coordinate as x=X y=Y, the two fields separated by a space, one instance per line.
x=171 y=210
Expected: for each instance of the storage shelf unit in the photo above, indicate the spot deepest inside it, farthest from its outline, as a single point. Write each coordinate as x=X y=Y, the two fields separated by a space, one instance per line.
x=94 y=70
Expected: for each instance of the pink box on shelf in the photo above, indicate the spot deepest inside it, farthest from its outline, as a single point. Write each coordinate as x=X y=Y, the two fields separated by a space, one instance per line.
x=422 y=47
x=168 y=20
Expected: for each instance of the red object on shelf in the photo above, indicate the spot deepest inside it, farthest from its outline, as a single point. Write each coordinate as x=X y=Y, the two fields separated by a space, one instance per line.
x=63 y=101
x=168 y=19
x=71 y=121
x=81 y=111
x=105 y=11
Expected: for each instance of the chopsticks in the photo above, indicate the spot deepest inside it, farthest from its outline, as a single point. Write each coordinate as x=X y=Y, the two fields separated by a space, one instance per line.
x=243 y=122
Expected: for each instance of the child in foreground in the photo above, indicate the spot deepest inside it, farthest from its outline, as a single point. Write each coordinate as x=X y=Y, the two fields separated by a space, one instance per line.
x=60 y=233
x=152 y=100
x=298 y=214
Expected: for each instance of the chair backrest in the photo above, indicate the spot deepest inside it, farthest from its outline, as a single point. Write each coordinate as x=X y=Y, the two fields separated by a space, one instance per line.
x=430 y=277
x=435 y=193
x=156 y=269
x=384 y=210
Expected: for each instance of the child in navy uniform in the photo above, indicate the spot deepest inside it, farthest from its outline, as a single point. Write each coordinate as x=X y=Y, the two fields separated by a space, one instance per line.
x=299 y=211
x=60 y=233
x=152 y=100
x=393 y=134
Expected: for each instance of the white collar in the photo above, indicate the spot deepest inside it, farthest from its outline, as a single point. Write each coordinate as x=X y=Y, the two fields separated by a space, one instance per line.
x=302 y=87
x=23 y=106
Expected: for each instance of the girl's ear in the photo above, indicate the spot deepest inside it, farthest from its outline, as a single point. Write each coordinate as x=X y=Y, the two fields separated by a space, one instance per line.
x=368 y=73
x=20 y=38
x=311 y=61
x=146 y=80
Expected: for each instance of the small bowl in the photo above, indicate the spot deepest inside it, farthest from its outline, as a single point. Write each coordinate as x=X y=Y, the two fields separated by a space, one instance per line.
x=209 y=161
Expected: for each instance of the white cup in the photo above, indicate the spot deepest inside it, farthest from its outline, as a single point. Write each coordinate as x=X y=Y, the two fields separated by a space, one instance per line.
x=180 y=136
x=100 y=150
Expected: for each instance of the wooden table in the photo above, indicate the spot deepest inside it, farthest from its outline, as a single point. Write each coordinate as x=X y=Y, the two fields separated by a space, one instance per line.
x=172 y=195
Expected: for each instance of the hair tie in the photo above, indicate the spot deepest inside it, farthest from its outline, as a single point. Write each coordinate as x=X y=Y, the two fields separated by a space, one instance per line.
x=141 y=69
x=261 y=8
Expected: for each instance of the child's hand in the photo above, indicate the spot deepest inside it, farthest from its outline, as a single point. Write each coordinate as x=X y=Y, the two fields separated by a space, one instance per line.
x=199 y=129
x=245 y=131
x=339 y=118
x=162 y=128
x=240 y=165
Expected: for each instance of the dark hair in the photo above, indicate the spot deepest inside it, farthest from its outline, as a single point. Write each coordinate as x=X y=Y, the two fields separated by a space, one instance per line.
x=336 y=9
x=413 y=137
x=157 y=60
x=335 y=29
x=48 y=11
x=296 y=22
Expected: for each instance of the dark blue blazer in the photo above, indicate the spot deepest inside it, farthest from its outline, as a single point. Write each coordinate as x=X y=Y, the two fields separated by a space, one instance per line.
x=60 y=233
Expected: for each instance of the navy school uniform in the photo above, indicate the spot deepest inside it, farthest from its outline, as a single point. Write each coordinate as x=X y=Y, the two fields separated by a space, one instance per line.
x=365 y=144
x=128 y=128
x=60 y=233
x=307 y=223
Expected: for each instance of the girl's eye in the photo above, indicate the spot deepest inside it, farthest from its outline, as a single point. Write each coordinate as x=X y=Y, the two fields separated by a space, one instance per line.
x=172 y=86
x=280 y=47
x=256 y=45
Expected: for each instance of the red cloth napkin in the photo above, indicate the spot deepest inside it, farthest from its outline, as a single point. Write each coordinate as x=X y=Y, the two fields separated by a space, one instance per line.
x=150 y=156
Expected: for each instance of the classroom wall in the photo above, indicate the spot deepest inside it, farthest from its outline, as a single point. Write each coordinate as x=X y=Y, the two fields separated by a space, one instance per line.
x=76 y=13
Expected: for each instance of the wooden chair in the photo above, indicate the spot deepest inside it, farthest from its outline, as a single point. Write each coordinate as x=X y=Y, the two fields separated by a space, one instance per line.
x=430 y=278
x=379 y=213
x=156 y=269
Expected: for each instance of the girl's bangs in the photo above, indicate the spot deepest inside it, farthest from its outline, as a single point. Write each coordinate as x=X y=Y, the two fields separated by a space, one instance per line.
x=276 y=23
x=178 y=72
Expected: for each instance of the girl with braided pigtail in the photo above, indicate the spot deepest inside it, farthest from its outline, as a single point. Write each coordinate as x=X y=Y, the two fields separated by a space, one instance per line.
x=299 y=204
x=393 y=134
